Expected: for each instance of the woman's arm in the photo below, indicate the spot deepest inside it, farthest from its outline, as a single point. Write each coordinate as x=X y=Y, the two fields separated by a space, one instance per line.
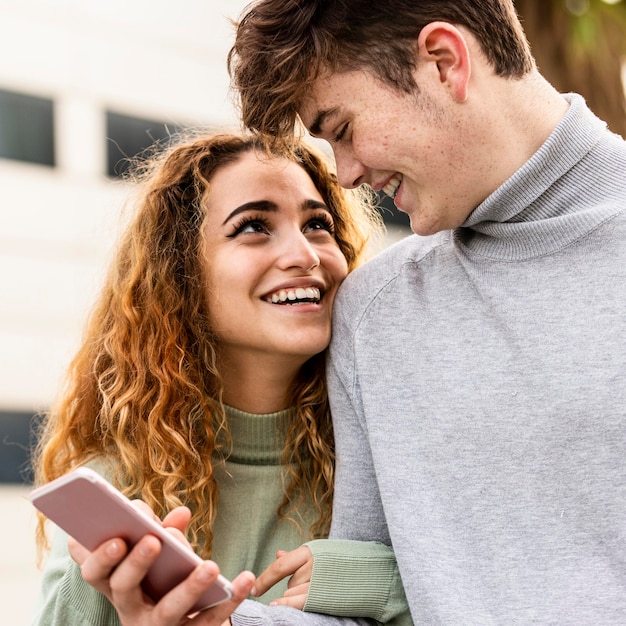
x=356 y=578
x=342 y=578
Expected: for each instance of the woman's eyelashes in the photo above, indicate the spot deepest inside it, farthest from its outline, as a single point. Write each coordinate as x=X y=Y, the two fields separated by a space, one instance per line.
x=260 y=224
x=322 y=222
x=251 y=224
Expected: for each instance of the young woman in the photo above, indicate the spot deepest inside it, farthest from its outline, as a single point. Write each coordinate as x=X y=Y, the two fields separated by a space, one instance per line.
x=200 y=382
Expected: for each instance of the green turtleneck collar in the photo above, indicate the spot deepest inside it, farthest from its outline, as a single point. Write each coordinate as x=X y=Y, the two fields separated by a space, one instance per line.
x=258 y=439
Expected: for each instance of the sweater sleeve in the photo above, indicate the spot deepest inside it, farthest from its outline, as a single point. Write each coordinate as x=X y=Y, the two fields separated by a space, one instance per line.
x=65 y=598
x=356 y=578
x=251 y=613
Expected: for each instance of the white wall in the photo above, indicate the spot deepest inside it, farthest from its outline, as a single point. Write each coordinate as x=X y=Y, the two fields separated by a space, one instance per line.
x=156 y=59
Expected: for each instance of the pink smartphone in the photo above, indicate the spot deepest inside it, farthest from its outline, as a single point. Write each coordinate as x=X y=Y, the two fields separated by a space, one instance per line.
x=91 y=510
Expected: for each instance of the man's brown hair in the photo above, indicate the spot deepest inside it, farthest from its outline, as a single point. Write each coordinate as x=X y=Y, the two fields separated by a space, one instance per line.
x=282 y=46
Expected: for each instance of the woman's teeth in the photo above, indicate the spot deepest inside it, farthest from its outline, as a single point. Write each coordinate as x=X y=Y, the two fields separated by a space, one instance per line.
x=391 y=188
x=291 y=295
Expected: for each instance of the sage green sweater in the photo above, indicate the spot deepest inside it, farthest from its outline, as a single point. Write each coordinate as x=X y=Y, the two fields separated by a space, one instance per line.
x=349 y=577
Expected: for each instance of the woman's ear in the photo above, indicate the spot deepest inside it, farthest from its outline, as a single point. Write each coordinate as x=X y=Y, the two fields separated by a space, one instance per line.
x=444 y=44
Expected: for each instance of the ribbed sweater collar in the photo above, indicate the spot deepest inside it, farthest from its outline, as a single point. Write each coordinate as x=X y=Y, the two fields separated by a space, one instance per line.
x=257 y=439
x=548 y=202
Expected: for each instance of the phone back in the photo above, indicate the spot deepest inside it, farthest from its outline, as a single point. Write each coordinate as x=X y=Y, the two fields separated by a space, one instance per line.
x=92 y=511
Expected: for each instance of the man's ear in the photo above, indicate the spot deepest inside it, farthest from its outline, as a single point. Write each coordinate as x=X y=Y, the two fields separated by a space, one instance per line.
x=444 y=44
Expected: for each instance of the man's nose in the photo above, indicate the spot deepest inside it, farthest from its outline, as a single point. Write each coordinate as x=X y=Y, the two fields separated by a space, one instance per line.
x=351 y=172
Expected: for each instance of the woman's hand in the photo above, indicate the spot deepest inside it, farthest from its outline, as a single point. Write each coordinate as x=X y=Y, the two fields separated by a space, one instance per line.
x=117 y=573
x=298 y=564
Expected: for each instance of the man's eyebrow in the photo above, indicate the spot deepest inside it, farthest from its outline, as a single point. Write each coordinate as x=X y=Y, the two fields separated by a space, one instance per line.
x=320 y=119
x=256 y=205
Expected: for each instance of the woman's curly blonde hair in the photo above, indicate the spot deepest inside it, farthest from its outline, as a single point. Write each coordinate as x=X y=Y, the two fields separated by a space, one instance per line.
x=143 y=393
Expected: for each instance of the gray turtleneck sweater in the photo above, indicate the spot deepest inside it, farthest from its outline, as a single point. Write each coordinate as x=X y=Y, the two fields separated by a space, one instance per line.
x=478 y=387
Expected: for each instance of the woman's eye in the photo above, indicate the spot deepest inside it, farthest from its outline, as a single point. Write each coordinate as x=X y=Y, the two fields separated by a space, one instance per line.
x=250 y=226
x=321 y=223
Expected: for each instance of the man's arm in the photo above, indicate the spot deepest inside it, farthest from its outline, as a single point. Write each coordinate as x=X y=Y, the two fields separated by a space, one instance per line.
x=357 y=508
x=252 y=613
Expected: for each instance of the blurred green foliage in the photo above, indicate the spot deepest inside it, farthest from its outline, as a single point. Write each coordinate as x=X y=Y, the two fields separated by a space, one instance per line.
x=580 y=45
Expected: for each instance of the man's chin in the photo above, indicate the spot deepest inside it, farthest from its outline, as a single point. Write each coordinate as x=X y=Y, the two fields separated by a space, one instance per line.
x=422 y=228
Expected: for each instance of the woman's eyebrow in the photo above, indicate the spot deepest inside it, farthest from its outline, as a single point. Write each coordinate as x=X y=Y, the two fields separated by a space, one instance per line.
x=268 y=206
x=255 y=205
x=314 y=204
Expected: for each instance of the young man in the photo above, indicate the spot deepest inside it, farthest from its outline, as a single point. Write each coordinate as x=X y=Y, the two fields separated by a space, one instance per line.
x=478 y=371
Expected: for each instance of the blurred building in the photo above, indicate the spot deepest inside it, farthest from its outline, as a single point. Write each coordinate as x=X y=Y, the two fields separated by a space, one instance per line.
x=83 y=83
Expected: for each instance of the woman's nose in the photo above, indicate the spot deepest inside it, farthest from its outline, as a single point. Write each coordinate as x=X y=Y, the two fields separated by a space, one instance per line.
x=298 y=252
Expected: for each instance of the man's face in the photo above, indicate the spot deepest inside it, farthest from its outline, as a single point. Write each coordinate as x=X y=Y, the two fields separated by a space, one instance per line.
x=411 y=145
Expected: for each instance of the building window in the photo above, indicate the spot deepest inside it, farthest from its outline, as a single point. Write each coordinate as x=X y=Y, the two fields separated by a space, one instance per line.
x=26 y=128
x=17 y=442
x=128 y=137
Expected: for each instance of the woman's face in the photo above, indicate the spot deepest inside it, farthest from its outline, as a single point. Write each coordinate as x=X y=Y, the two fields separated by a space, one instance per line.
x=272 y=263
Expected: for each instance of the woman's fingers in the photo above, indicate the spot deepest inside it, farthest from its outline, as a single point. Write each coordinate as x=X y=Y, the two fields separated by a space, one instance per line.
x=177 y=603
x=218 y=615
x=285 y=565
x=125 y=580
x=295 y=597
x=77 y=551
x=177 y=518
x=96 y=567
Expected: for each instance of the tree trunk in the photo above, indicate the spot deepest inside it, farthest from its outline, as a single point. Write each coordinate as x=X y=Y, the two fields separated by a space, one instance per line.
x=582 y=53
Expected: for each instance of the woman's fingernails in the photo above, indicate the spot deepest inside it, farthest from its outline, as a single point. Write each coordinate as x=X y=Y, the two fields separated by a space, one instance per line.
x=205 y=573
